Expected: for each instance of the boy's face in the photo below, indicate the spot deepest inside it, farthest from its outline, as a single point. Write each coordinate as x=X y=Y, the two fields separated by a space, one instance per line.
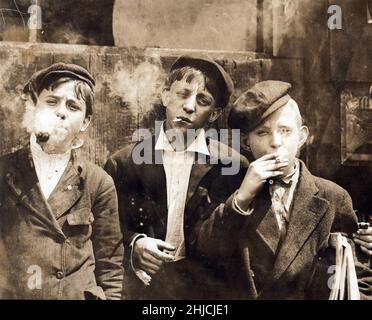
x=60 y=114
x=281 y=130
x=189 y=105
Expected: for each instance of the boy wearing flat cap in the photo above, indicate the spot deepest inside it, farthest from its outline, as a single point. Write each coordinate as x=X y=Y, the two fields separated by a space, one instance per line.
x=59 y=224
x=159 y=203
x=273 y=231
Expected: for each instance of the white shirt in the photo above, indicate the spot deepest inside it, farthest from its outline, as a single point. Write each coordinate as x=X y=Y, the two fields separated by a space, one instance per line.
x=177 y=167
x=49 y=167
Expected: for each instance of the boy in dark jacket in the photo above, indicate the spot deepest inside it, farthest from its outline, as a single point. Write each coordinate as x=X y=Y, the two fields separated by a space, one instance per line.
x=59 y=226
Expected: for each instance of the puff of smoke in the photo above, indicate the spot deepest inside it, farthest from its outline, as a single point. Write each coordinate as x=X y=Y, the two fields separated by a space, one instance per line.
x=139 y=88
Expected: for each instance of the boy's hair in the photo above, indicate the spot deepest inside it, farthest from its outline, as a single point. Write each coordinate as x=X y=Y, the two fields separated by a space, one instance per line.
x=82 y=90
x=294 y=106
x=189 y=74
x=58 y=73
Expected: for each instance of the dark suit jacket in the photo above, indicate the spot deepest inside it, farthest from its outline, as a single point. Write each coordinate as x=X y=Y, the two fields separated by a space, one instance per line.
x=142 y=193
x=72 y=241
x=247 y=248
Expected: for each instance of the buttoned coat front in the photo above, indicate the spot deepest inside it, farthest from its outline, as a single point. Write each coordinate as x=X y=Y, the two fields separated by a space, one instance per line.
x=68 y=247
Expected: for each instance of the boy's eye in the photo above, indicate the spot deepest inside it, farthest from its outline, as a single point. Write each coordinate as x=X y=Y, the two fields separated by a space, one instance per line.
x=182 y=94
x=204 y=101
x=285 y=131
x=261 y=133
x=51 y=102
x=74 y=107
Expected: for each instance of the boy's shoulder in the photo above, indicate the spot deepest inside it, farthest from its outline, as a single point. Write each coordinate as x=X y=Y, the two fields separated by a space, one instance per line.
x=225 y=154
x=326 y=188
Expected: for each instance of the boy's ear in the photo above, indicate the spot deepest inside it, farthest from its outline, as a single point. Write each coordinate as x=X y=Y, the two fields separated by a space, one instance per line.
x=214 y=115
x=244 y=142
x=165 y=97
x=304 y=133
x=86 y=123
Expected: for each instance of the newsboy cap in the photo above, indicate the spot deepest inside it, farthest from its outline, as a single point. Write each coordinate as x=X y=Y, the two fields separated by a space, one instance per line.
x=210 y=68
x=62 y=70
x=257 y=103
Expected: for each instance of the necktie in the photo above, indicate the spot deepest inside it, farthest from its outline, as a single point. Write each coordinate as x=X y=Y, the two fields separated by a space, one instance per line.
x=279 y=194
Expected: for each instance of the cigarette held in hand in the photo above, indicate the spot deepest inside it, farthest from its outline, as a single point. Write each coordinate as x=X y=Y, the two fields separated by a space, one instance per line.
x=282 y=155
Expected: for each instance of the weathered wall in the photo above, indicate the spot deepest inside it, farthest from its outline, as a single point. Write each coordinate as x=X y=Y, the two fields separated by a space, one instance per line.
x=208 y=24
x=67 y=21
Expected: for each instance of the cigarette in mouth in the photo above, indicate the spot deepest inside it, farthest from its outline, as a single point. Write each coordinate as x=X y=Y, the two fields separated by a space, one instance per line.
x=42 y=137
x=177 y=120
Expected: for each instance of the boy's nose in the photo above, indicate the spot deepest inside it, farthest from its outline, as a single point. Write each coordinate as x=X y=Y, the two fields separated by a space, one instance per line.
x=276 y=140
x=61 y=110
x=189 y=105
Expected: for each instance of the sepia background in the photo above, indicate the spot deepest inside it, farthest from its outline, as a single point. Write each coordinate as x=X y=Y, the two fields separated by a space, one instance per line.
x=129 y=45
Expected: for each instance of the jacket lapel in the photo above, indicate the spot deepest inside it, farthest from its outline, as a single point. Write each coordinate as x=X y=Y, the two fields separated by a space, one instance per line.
x=69 y=188
x=198 y=171
x=307 y=211
x=155 y=184
x=268 y=230
x=263 y=222
x=23 y=182
x=219 y=153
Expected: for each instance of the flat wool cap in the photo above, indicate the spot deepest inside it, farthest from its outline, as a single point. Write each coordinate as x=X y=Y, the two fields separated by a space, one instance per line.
x=58 y=69
x=210 y=68
x=257 y=103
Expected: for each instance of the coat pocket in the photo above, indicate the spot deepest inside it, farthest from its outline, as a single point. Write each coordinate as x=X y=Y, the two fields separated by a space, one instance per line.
x=78 y=228
x=80 y=217
x=94 y=293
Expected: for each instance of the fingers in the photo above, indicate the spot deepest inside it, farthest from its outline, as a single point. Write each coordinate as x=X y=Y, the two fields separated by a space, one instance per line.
x=270 y=156
x=164 y=245
x=272 y=165
x=150 y=258
x=272 y=174
x=163 y=256
x=366 y=247
x=149 y=267
x=366 y=238
x=365 y=231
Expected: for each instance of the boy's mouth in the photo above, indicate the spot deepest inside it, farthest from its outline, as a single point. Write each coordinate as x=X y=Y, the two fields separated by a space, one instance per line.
x=42 y=137
x=182 y=119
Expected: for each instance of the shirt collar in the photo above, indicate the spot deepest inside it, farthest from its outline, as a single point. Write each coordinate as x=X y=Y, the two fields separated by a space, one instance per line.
x=292 y=177
x=199 y=145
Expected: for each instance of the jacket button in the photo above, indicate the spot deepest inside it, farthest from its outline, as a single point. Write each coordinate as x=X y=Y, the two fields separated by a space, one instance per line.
x=60 y=275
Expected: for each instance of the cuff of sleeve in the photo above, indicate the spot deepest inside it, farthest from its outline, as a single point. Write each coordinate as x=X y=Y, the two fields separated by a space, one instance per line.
x=142 y=275
x=238 y=209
